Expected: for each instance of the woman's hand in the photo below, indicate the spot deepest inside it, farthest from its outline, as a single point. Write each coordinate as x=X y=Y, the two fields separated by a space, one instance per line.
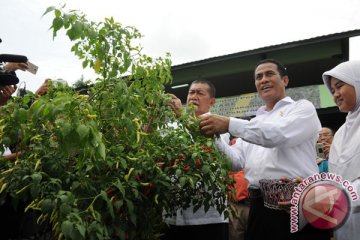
x=287 y=203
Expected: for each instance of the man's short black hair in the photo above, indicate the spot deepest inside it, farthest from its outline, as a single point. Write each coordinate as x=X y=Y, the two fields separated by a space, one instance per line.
x=212 y=90
x=280 y=67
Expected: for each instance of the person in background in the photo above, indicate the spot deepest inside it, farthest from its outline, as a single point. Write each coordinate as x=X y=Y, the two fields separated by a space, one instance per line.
x=274 y=144
x=44 y=87
x=326 y=136
x=239 y=204
x=187 y=224
x=343 y=82
x=17 y=224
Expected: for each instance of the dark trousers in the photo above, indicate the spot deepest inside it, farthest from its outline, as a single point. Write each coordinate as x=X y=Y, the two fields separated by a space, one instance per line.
x=219 y=231
x=265 y=223
x=16 y=224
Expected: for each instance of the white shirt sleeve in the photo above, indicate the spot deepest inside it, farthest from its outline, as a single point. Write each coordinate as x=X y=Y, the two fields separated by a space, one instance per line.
x=7 y=151
x=233 y=152
x=280 y=129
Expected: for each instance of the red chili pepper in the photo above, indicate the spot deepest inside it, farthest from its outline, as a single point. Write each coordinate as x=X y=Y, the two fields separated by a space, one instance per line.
x=181 y=157
x=206 y=149
x=161 y=164
x=186 y=168
x=198 y=163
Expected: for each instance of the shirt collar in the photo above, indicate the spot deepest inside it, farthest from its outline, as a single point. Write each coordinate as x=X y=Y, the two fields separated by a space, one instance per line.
x=280 y=103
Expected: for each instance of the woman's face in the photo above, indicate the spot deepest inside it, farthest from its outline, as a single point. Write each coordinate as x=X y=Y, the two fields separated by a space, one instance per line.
x=343 y=94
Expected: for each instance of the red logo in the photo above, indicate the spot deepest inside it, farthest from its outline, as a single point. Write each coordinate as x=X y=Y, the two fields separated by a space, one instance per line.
x=325 y=205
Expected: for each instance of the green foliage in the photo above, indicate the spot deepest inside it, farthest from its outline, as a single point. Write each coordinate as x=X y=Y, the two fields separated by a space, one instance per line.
x=108 y=165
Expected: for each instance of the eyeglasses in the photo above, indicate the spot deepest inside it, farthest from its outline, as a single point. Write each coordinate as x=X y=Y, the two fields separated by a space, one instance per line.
x=325 y=134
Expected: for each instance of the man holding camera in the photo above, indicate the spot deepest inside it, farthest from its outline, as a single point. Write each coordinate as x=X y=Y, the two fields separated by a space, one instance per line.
x=326 y=136
x=7 y=90
x=12 y=67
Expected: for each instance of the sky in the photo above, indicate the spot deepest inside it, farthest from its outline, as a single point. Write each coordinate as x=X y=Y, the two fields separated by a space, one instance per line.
x=190 y=30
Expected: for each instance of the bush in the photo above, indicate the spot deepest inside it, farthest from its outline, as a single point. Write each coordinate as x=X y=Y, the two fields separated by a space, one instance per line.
x=107 y=165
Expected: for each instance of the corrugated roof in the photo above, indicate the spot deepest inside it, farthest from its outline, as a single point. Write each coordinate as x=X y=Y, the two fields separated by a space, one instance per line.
x=334 y=36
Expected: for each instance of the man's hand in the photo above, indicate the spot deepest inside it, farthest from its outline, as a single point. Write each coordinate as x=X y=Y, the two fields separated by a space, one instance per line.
x=43 y=88
x=12 y=156
x=213 y=124
x=11 y=66
x=326 y=149
x=175 y=104
x=5 y=93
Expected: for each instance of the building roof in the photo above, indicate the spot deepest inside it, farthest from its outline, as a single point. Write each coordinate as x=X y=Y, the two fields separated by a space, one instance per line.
x=232 y=74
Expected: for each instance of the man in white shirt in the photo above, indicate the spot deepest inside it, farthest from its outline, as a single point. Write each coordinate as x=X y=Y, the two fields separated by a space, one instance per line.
x=278 y=142
x=199 y=225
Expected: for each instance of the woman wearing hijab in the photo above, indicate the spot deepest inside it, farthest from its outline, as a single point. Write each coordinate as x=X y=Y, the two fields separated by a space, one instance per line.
x=343 y=81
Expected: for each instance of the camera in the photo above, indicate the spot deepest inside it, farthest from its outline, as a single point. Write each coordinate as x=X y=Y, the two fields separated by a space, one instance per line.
x=10 y=78
x=320 y=150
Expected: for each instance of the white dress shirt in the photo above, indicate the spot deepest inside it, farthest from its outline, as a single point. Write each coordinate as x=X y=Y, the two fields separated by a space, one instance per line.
x=276 y=143
x=186 y=217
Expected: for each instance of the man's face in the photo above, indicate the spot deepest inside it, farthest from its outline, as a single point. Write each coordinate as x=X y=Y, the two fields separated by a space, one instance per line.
x=325 y=135
x=269 y=84
x=199 y=96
